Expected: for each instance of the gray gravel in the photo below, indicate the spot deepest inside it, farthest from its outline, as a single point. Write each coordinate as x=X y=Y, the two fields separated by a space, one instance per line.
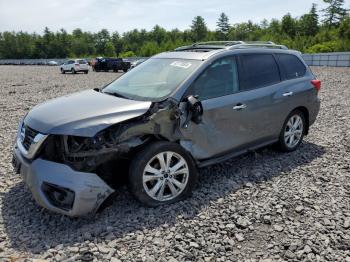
x=263 y=206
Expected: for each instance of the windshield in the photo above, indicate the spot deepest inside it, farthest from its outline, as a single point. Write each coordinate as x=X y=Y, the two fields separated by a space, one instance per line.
x=154 y=79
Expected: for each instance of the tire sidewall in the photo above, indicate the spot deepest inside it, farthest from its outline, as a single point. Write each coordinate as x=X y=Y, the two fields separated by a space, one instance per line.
x=141 y=159
x=282 y=141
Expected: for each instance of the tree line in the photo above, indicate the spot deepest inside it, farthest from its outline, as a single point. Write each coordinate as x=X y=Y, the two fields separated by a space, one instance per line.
x=325 y=30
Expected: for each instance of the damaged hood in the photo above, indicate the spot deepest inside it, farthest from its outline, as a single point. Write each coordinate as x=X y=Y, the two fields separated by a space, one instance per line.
x=83 y=113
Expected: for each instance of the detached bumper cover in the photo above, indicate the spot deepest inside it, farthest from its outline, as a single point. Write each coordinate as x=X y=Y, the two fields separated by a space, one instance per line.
x=90 y=191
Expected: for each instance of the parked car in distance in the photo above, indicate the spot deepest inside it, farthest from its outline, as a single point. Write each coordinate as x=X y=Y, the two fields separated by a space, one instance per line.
x=52 y=63
x=137 y=62
x=176 y=112
x=107 y=64
x=74 y=66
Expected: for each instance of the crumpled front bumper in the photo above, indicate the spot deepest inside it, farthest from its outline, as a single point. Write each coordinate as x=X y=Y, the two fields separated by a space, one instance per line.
x=89 y=190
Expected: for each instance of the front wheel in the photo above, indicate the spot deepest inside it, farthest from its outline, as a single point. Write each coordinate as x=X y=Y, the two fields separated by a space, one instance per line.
x=292 y=132
x=162 y=173
x=62 y=71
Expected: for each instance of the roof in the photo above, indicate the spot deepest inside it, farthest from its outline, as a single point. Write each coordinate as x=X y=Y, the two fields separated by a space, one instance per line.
x=188 y=55
x=204 y=50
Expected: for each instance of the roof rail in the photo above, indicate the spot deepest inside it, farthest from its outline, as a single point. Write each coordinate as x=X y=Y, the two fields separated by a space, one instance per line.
x=214 y=45
x=258 y=45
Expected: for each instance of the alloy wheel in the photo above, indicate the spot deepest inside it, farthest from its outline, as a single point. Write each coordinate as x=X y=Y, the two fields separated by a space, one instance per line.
x=165 y=176
x=293 y=131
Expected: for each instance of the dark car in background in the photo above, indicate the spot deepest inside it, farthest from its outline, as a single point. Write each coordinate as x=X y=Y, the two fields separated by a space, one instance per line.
x=107 y=64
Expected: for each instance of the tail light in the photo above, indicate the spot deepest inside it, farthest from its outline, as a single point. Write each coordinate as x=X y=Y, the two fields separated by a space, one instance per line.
x=317 y=84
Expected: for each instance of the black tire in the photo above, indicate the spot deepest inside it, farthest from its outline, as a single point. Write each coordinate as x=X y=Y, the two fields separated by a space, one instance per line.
x=282 y=145
x=125 y=70
x=73 y=71
x=86 y=72
x=141 y=159
x=62 y=71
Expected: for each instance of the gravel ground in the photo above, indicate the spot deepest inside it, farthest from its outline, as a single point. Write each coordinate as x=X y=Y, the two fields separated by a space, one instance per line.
x=263 y=206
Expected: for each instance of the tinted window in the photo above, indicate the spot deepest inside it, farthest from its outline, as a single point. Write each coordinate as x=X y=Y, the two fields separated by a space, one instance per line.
x=258 y=70
x=82 y=62
x=70 y=62
x=291 y=66
x=219 y=79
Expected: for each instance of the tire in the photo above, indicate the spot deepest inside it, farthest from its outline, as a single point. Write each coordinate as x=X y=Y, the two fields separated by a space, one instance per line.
x=73 y=71
x=125 y=70
x=289 y=143
x=86 y=72
x=62 y=71
x=166 y=191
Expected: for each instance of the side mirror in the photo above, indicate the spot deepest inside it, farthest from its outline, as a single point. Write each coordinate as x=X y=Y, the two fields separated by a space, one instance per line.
x=195 y=109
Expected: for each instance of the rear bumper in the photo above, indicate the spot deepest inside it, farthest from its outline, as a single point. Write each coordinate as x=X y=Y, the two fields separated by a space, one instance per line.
x=313 y=111
x=85 y=192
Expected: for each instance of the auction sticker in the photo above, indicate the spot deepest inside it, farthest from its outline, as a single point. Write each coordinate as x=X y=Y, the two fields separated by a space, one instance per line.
x=181 y=64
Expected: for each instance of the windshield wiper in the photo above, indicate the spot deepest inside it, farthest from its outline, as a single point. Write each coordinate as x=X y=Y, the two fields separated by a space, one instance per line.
x=115 y=94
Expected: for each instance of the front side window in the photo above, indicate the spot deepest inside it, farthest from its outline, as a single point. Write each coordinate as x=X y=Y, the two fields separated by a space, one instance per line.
x=154 y=79
x=258 y=70
x=219 y=79
x=291 y=66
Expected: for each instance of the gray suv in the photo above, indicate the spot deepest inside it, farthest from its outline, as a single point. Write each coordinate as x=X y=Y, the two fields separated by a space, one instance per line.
x=174 y=113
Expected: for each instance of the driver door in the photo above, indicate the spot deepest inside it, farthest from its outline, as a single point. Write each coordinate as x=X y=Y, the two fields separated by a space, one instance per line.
x=223 y=125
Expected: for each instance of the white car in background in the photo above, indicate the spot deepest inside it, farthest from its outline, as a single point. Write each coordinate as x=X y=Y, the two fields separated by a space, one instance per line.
x=74 y=66
x=52 y=63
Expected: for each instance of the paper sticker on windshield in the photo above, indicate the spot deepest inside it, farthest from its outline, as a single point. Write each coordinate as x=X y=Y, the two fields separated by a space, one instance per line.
x=181 y=64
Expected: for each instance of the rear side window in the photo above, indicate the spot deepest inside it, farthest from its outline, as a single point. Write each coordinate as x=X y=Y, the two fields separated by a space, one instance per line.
x=291 y=66
x=258 y=70
x=82 y=62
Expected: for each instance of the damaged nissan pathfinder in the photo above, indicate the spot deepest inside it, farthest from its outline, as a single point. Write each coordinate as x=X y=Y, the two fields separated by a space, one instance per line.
x=176 y=112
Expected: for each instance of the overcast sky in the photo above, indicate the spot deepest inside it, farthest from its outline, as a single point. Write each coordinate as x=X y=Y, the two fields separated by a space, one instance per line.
x=124 y=15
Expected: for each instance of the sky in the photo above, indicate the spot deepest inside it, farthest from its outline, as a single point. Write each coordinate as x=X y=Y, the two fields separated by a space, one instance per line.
x=124 y=15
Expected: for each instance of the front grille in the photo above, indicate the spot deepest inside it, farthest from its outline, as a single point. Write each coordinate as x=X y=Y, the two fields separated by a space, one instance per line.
x=29 y=135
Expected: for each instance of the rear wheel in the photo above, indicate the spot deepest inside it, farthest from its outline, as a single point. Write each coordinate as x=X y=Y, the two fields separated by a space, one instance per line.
x=86 y=72
x=162 y=173
x=292 y=132
x=73 y=71
x=125 y=70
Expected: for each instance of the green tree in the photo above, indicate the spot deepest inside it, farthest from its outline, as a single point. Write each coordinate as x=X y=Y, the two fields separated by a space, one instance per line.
x=344 y=29
x=223 y=27
x=117 y=43
x=101 y=39
x=334 y=12
x=308 y=23
x=199 y=29
x=288 y=25
x=109 y=49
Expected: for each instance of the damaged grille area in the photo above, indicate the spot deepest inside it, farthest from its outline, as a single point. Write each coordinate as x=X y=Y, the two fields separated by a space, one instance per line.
x=118 y=142
x=29 y=135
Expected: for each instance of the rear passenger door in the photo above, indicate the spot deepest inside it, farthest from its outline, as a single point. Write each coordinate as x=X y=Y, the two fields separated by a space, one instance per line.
x=297 y=90
x=261 y=95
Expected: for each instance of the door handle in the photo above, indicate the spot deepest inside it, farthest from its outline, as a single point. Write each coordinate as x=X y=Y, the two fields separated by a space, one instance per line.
x=288 y=94
x=239 y=107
